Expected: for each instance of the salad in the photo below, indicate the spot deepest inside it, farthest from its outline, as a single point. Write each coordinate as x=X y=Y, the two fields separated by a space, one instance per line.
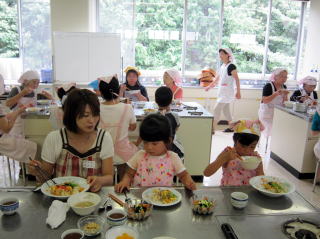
x=273 y=186
x=203 y=206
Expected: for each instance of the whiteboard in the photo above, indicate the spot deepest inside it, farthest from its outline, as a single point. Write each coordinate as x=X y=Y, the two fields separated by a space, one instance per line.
x=85 y=56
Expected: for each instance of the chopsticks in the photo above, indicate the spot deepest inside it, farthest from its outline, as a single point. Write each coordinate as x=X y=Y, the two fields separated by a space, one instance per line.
x=44 y=174
x=117 y=200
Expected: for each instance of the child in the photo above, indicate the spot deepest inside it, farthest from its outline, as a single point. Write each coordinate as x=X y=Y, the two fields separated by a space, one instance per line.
x=155 y=165
x=306 y=92
x=172 y=79
x=228 y=80
x=118 y=118
x=246 y=136
x=163 y=97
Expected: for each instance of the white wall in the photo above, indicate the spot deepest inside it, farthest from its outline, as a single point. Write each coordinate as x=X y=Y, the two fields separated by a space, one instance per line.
x=312 y=52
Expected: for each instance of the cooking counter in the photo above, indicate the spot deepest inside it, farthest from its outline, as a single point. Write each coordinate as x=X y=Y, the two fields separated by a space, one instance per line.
x=194 y=132
x=292 y=142
x=263 y=216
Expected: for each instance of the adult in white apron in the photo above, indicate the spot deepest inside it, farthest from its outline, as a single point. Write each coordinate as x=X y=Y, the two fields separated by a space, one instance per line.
x=172 y=79
x=118 y=118
x=81 y=148
x=306 y=92
x=274 y=93
x=23 y=95
x=228 y=87
x=12 y=147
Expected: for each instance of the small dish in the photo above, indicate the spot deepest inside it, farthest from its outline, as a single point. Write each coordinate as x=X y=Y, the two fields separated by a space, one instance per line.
x=239 y=200
x=91 y=225
x=116 y=217
x=138 y=209
x=115 y=232
x=9 y=205
x=72 y=234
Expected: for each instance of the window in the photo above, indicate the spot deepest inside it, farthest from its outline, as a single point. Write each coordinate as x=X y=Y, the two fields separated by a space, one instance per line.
x=36 y=34
x=9 y=34
x=159 y=26
x=284 y=28
x=186 y=34
x=244 y=31
x=202 y=35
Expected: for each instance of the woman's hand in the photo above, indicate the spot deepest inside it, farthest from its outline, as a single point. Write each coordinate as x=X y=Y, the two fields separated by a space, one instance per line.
x=238 y=95
x=26 y=91
x=140 y=96
x=47 y=95
x=120 y=187
x=95 y=183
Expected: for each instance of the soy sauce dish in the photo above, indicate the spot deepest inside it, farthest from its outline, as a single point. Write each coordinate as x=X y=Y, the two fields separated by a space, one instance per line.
x=9 y=205
x=116 y=217
x=72 y=234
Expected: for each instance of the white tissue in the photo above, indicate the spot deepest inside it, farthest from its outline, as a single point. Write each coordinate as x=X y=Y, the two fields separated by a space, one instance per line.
x=57 y=213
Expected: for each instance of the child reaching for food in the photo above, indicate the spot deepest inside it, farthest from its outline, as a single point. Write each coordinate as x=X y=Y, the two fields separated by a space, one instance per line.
x=246 y=136
x=155 y=165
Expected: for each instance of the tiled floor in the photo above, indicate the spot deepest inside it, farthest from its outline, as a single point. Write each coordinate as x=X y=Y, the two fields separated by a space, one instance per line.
x=219 y=142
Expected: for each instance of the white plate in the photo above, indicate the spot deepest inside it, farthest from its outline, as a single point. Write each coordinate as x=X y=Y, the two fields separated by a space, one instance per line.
x=33 y=109
x=43 y=102
x=114 y=232
x=80 y=181
x=256 y=182
x=147 y=196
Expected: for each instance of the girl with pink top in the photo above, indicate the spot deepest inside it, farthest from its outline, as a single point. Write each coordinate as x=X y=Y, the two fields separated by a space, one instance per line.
x=246 y=136
x=172 y=79
x=155 y=165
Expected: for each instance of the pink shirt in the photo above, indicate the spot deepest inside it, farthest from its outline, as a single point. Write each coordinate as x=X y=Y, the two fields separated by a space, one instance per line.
x=177 y=92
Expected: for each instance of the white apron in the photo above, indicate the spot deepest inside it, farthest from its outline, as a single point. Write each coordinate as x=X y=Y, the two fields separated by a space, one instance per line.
x=18 y=128
x=226 y=91
x=266 y=112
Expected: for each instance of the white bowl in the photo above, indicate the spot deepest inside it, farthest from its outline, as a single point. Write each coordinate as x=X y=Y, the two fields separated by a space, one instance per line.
x=72 y=231
x=288 y=104
x=114 y=232
x=250 y=162
x=257 y=183
x=11 y=208
x=119 y=221
x=239 y=200
x=82 y=197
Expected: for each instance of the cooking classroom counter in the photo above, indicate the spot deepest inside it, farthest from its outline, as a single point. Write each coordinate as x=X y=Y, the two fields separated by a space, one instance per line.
x=292 y=142
x=194 y=132
x=263 y=216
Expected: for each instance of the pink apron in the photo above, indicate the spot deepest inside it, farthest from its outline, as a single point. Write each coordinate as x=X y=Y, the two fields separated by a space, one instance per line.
x=154 y=171
x=122 y=147
x=73 y=163
x=18 y=127
x=235 y=175
x=266 y=112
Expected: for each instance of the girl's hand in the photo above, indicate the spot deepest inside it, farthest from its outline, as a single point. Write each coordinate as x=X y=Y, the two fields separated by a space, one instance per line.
x=229 y=154
x=95 y=183
x=255 y=153
x=191 y=185
x=120 y=187
x=238 y=95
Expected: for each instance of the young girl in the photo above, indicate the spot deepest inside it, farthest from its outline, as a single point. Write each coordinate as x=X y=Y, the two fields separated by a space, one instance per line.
x=133 y=89
x=163 y=97
x=155 y=165
x=118 y=118
x=228 y=80
x=306 y=92
x=80 y=149
x=172 y=79
x=246 y=136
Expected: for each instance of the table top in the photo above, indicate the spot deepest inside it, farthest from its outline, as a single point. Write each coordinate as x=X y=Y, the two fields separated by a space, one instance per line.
x=305 y=116
x=177 y=221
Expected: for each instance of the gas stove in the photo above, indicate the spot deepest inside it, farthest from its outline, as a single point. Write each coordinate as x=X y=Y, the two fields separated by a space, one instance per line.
x=301 y=229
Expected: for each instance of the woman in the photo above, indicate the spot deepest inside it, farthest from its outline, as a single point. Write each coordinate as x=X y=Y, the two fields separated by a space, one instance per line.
x=227 y=80
x=133 y=89
x=16 y=148
x=80 y=149
x=306 y=92
x=24 y=95
x=172 y=79
x=118 y=118
x=274 y=93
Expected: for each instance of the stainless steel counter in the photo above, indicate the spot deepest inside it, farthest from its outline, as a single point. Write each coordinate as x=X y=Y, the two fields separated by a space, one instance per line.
x=305 y=116
x=261 y=219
